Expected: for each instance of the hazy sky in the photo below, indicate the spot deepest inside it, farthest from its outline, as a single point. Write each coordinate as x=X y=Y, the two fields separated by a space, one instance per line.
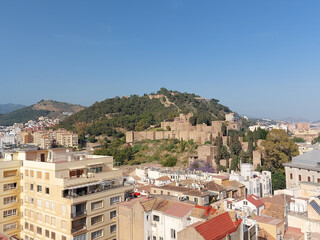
x=260 y=58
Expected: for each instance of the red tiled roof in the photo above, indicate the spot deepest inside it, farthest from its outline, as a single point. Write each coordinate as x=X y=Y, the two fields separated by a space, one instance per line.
x=254 y=200
x=293 y=233
x=208 y=209
x=3 y=237
x=179 y=209
x=164 y=178
x=218 y=227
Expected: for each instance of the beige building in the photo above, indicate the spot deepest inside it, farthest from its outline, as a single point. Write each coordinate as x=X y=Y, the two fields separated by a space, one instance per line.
x=303 y=168
x=45 y=138
x=66 y=195
x=10 y=197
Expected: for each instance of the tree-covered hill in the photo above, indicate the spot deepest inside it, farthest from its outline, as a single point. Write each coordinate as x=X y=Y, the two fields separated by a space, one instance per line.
x=9 y=107
x=46 y=108
x=139 y=112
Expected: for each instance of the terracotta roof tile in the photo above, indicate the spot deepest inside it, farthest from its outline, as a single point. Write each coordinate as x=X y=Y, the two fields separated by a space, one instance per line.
x=164 y=178
x=268 y=220
x=254 y=200
x=218 y=227
x=178 y=209
x=212 y=186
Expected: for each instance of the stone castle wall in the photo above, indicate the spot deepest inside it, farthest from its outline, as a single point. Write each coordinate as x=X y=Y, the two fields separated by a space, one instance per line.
x=181 y=129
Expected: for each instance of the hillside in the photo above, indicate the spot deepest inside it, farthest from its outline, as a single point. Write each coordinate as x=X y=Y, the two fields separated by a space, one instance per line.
x=47 y=108
x=9 y=107
x=139 y=112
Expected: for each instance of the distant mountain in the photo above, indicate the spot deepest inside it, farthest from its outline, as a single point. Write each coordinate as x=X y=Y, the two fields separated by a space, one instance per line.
x=9 y=107
x=139 y=112
x=46 y=108
x=295 y=119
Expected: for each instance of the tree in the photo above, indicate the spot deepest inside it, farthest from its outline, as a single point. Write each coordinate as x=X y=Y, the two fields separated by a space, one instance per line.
x=278 y=180
x=278 y=149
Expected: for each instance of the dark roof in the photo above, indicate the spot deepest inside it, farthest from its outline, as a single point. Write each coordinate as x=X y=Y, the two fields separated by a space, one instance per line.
x=212 y=186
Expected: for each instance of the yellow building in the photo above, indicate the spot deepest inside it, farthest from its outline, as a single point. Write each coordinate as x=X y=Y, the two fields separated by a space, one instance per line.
x=68 y=195
x=10 y=197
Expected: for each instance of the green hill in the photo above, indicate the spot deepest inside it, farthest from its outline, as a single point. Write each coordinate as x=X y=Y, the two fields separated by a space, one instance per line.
x=139 y=112
x=46 y=108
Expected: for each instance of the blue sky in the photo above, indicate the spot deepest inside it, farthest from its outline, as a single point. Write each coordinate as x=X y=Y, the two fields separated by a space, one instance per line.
x=260 y=58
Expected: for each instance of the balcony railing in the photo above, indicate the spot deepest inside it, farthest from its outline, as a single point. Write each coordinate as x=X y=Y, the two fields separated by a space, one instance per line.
x=83 y=191
x=78 y=228
x=78 y=214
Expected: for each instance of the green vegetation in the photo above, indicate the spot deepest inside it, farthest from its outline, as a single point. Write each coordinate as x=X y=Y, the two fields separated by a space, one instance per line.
x=165 y=152
x=46 y=108
x=278 y=149
x=22 y=115
x=137 y=113
x=298 y=140
x=316 y=140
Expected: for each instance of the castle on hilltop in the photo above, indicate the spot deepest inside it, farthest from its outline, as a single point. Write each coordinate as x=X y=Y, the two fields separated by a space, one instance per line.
x=180 y=128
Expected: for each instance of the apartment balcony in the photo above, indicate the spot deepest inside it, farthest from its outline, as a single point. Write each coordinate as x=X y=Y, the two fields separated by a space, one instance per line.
x=78 y=214
x=85 y=192
x=78 y=226
x=78 y=210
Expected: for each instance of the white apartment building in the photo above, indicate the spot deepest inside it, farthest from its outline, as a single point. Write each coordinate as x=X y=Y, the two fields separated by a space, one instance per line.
x=256 y=183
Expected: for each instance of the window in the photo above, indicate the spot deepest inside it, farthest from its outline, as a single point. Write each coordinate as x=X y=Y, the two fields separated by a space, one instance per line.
x=173 y=233
x=39 y=175
x=113 y=214
x=53 y=206
x=195 y=200
x=96 y=205
x=31 y=187
x=47 y=205
x=64 y=225
x=39 y=216
x=299 y=177
x=11 y=199
x=64 y=209
x=245 y=203
x=31 y=200
x=318 y=180
x=39 y=188
x=47 y=219
x=96 y=234
x=11 y=173
x=96 y=169
x=291 y=176
x=308 y=179
x=8 y=213
x=39 y=203
x=154 y=191
x=114 y=200
x=53 y=221
x=9 y=186
x=97 y=219
x=154 y=238
x=10 y=226
x=53 y=235
x=168 y=193
x=113 y=228
x=31 y=227
x=156 y=218
x=39 y=230
x=63 y=238
x=31 y=214
x=31 y=173
x=47 y=190
x=26 y=225
x=46 y=176
x=47 y=233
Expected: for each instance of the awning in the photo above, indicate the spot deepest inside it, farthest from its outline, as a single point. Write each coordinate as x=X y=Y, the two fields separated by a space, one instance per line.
x=95 y=164
x=78 y=167
x=83 y=185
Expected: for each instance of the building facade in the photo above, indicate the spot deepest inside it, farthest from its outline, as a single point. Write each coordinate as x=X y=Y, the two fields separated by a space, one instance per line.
x=66 y=195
